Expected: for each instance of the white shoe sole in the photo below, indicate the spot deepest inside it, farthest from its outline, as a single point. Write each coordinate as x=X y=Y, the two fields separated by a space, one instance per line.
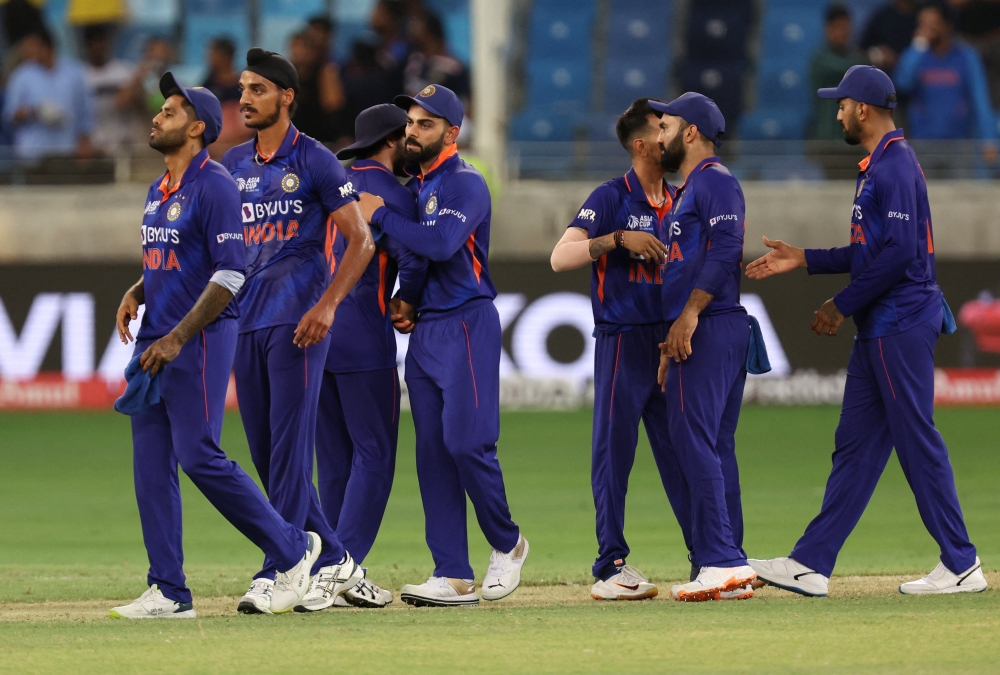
x=493 y=595
x=187 y=614
x=607 y=593
x=424 y=601
x=786 y=585
x=946 y=591
x=251 y=607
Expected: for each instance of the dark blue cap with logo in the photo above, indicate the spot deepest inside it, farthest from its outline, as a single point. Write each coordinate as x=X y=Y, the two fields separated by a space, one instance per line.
x=372 y=125
x=205 y=105
x=696 y=109
x=437 y=100
x=865 y=84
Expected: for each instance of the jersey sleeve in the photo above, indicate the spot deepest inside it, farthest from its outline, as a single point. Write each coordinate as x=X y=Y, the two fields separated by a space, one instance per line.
x=463 y=203
x=724 y=211
x=332 y=185
x=219 y=205
x=897 y=202
x=597 y=214
x=828 y=260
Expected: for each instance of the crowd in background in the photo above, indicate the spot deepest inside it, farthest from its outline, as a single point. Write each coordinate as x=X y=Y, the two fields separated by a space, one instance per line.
x=59 y=101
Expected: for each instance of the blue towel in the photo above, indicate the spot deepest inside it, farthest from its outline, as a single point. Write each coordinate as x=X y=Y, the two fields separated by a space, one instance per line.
x=948 y=325
x=141 y=391
x=757 y=361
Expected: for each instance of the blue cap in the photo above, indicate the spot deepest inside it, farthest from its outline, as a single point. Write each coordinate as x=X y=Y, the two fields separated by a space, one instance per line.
x=205 y=105
x=438 y=100
x=372 y=125
x=866 y=84
x=696 y=109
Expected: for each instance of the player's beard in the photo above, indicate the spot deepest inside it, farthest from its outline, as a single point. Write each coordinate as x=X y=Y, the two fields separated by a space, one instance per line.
x=168 y=141
x=264 y=122
x=399 y=159
x=422 y=153
x=673 y=155
x=852 y=129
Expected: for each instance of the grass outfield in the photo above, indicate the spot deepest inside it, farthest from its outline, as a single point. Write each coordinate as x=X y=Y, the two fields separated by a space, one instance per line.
x=70 y=547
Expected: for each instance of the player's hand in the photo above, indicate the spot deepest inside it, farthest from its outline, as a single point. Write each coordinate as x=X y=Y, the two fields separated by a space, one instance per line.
x=827 y=319
x=403 y=315
x=127 y=311
x=678 y=343
x=314 y=325
x=645 y=245
x=369 y=205
x=160 y=353
x=782 y=258
x=661 y=372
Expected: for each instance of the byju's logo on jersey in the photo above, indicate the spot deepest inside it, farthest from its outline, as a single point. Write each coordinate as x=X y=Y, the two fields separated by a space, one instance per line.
x=247 y=212
x=720 y=219
x=586 y=214
x=432 y=205
x=248 y=184
x=290 y=182
x=174 y=212
x=222 y=237
x=346 y=190
x=252 y=212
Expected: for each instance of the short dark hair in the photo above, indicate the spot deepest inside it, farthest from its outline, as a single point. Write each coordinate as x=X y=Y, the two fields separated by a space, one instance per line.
x=374 y=149
x=836 y=13
x=434 y=26
x=96 y=32
x=322 y=22
x=633 y=121
x=224 y=45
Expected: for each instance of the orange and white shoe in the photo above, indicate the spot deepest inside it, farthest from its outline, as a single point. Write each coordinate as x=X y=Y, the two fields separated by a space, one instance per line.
x=712 y=581
x=742 y=593
x=627 y=584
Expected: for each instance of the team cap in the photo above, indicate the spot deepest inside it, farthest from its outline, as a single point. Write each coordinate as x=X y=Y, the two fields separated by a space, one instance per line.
x=437 y=100
x=372 y=125
x=204 y=102
x=866 y=84
x=696 y=109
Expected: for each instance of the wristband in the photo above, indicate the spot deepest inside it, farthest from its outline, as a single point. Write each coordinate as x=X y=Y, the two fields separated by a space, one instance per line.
x=619 y=238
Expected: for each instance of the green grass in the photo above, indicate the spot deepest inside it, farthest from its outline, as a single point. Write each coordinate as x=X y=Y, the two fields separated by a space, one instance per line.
x=69 y=531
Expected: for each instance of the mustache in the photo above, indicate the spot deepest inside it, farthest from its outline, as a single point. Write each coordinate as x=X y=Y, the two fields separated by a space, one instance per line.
x=248 y=108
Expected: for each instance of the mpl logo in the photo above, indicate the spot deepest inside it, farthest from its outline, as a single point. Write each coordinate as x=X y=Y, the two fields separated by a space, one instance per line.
x=248 y=184
x=586 y=214
x=346 y=190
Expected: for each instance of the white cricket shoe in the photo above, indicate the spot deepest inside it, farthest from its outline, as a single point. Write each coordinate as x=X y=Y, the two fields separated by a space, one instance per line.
x=367 y=594
x=329 y=583
x=627 y=584
x=712 y=581
x=942 y=580
x=792 y=576
x=741 y=593
x=257 y=600
x=292 y=585
x=152 y=605
x=440 y=592
x=504 y=573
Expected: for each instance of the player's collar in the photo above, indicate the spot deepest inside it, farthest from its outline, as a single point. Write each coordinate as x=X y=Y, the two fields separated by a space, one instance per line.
x=198 y=162
x=637 y=194
x=442 y=159
x=368 y=165
x=285 y=149
x=890 y=137
x=701 y=166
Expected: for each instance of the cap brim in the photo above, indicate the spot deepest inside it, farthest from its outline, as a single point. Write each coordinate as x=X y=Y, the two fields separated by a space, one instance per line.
x=169 y=83
x=350 y=152
x=830 y=92
x=662 y=108
x=405 y=102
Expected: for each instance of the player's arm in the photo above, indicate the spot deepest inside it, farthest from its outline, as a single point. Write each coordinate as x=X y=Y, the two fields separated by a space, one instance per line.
x=677 y=346
x=412 y=279
x=315 y=324
x=128 y=310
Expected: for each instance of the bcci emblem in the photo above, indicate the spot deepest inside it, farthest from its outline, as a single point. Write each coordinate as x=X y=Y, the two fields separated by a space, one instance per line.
x=861 y=186
x=290 y=183
x=174 y=212
x=427 y=91
x=432 y=205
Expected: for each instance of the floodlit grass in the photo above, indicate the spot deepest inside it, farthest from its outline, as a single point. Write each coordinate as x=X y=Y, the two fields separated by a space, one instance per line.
x=70 y=547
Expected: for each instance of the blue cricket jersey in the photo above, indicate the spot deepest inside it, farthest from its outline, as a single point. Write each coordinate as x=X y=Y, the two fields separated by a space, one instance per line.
x=287 y=202
x=188 y=233
x=361 y=337
x=705 y=238
x=624 y=286
x=891 y=256
x=453 y=233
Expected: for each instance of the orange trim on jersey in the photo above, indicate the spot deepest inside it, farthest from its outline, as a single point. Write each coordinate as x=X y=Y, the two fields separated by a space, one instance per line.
x=204 y=163
x=383 y=260
x=629 y=187
x=602 y=266
x=445 y=155
x=296 y=139
x=863 y=164
x=331 y=238
x=891 y=140
x=477 y=266
x=163 y=187
x=930 y=237
x=369 y=168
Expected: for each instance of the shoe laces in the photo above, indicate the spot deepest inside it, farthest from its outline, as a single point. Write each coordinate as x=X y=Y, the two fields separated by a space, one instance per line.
x=937 y=573
x=151 y=593
x=499 y=564
x=261 y=587
x=631 y=575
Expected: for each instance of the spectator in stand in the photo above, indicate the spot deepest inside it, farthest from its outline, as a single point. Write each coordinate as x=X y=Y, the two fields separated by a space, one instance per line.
x=320 y=30
x=224 y=82
x=889 y=32
x=116 y=107
x=366 y=82
x=827 y=69
x=320 y=98
x=47 y=103
x=430 y=62
x=946 y=82
x=387 y=21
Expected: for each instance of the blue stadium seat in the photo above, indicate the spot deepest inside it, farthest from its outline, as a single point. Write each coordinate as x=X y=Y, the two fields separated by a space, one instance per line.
x=148 y=12
x=199 y=30
x=773 y=124
x=276 y=30
x=299 y=8
x=783 y=83
x=539 y=124
x=722 y=82
x=626 y=79
x=132 y=39
x=632 y=33
x=718 y=34
x=791 y=33
x=558 y=33
x=601 y=126
x=567 y=6
x=644 y=7
x=563 y=83
x=216 y=7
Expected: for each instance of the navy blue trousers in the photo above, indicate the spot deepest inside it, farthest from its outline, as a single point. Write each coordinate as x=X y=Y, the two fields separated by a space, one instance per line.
x=453 y=377
x=278 y=388
x=357 y=429
x=625 y=393
x=889 y=402
x=704 y=395
x=184 y=428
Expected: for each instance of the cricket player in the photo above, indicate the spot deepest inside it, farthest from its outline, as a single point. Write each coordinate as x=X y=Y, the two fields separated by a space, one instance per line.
x=453 y=360
x=193 y=263
x=294 y=192
x=617 y=233
x=357 y=425
x=899 y=312
x=704 y=356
